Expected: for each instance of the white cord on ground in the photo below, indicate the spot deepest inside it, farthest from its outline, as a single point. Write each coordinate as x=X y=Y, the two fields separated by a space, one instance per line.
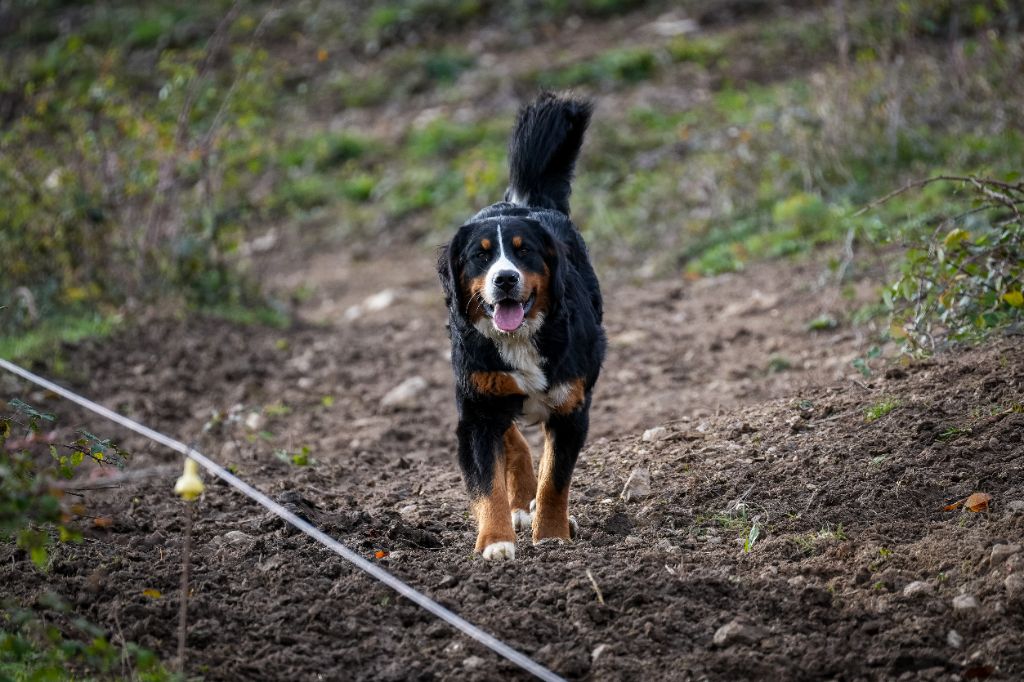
x=456 y=621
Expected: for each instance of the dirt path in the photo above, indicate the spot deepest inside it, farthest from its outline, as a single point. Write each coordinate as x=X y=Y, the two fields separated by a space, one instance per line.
x=764 y=426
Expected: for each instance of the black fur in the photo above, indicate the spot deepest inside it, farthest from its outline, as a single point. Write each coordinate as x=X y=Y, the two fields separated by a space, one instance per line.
x=542 y=153
x=571 y=341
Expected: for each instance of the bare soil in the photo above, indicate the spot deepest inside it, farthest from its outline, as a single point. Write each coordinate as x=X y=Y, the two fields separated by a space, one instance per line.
x=764 y=424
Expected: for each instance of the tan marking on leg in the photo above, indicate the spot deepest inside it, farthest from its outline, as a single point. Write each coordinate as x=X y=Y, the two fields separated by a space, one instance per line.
x=496 y=383
x=493 y=516
x=551 y=519
x=573 y=399
x=519 y=476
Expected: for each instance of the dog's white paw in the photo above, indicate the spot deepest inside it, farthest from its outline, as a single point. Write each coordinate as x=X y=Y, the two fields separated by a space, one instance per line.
x=521 y=520
x=574 y=528
x=497 y=551
x=533 y=505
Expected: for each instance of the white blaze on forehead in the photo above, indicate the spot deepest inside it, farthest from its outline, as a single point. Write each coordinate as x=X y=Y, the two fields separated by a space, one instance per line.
x=501 y=264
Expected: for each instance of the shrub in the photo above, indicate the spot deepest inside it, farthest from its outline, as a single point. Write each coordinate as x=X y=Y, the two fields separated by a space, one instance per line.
x=961 y=276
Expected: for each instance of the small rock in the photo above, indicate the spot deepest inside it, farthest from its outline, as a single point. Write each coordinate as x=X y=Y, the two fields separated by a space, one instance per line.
x=1001 y=553
x=735 y=632
x=253 y=421
x=918 y=587
x=237 y=537
x=448 y=581
x=1015 y=507
x=272 y=563
x=405 y=393
x=954 y=639
x=964 y=602
x=638 y=485
x=598 y=650
x=655 y=434
x=473 y=663
x=1014 y=585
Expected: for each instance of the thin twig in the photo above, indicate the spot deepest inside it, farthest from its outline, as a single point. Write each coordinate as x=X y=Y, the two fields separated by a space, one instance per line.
x=597 y=590
x=1018 y=187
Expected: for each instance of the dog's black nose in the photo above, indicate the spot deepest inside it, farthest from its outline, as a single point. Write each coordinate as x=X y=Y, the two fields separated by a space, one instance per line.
x=506 y=280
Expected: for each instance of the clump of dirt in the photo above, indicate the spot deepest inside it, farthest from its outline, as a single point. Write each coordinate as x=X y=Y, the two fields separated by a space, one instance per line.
x=786 y=534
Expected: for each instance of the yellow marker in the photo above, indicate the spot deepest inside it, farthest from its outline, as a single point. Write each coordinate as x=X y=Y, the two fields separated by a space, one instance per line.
x=189 y=486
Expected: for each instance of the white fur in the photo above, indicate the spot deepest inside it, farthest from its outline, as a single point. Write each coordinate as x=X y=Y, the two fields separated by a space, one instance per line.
x=523 y=201
x=491 y=291
x=521 y=520
x=518 y=350
x=500 y=550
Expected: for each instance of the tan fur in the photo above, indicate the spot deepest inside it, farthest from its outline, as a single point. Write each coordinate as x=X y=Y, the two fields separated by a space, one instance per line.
x=485 y=244
x=496 y=383
x=551 y=519
x=517 y=241
x=537 y=283
x=473 y=293
x=519 y=477
x=493 y=516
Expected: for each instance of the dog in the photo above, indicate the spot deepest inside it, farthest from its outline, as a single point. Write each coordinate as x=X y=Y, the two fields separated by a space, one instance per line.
x=525 y=323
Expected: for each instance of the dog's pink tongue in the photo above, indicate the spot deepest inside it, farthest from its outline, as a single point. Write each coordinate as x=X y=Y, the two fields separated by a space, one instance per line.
x=508 y=315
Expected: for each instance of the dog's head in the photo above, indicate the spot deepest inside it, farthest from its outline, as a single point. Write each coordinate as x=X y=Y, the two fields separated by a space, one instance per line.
x=502 y=275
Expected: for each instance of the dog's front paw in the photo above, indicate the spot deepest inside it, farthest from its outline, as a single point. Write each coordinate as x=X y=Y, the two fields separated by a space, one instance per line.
x=545 y=530
x=497 y=551
x=521 y=519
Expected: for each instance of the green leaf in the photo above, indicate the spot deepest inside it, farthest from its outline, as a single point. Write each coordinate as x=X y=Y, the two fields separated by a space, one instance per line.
x=38 y=555
x=755 y=533
x=1014 y=298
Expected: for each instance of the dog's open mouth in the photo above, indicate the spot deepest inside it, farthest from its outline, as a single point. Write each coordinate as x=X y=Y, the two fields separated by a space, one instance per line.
x=508 y=314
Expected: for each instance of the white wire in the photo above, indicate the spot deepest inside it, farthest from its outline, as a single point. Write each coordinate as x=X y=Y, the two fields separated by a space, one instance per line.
x=456 y=621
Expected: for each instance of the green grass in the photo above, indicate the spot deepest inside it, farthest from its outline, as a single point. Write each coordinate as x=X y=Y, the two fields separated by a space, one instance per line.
x=880 y=409
x=47 y=337
x=254 y=315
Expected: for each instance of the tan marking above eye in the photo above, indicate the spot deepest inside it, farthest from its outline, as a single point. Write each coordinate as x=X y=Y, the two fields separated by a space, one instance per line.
x=485 y=244
x=517 y=241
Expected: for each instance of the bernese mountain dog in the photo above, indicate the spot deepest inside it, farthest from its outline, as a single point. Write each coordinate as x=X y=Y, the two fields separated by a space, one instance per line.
x=524 y=309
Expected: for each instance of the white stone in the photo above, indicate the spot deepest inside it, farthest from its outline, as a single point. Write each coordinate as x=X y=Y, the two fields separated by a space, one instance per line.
x=918 y=587
x=405 y=393
x=954 y=639
x=1001 y=553
x=964 y=602
x=638 y=485
x=735 y=632
x=657 y=433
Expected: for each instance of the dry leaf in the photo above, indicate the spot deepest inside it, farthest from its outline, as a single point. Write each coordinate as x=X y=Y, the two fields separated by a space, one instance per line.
x=978 y=502
x=151 y=593
x=380 y=554
x=103 y=522
x=953 y=507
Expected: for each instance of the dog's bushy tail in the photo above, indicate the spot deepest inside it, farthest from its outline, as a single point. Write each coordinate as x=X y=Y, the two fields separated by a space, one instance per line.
x=542 y=152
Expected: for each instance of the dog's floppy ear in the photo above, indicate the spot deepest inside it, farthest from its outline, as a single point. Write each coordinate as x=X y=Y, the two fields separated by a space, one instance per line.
x=449 y=270
x=554 y=255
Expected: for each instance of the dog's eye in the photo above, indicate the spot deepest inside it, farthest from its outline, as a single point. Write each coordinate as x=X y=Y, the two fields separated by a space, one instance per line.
x=483 y=256
x=523 y=252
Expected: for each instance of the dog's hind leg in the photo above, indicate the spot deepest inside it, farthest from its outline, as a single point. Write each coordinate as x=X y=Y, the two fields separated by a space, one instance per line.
x=484 y=467
x=520 y=480
x=563 y=439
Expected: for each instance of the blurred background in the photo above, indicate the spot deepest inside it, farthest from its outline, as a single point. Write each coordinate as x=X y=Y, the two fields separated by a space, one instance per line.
x=158 y=156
